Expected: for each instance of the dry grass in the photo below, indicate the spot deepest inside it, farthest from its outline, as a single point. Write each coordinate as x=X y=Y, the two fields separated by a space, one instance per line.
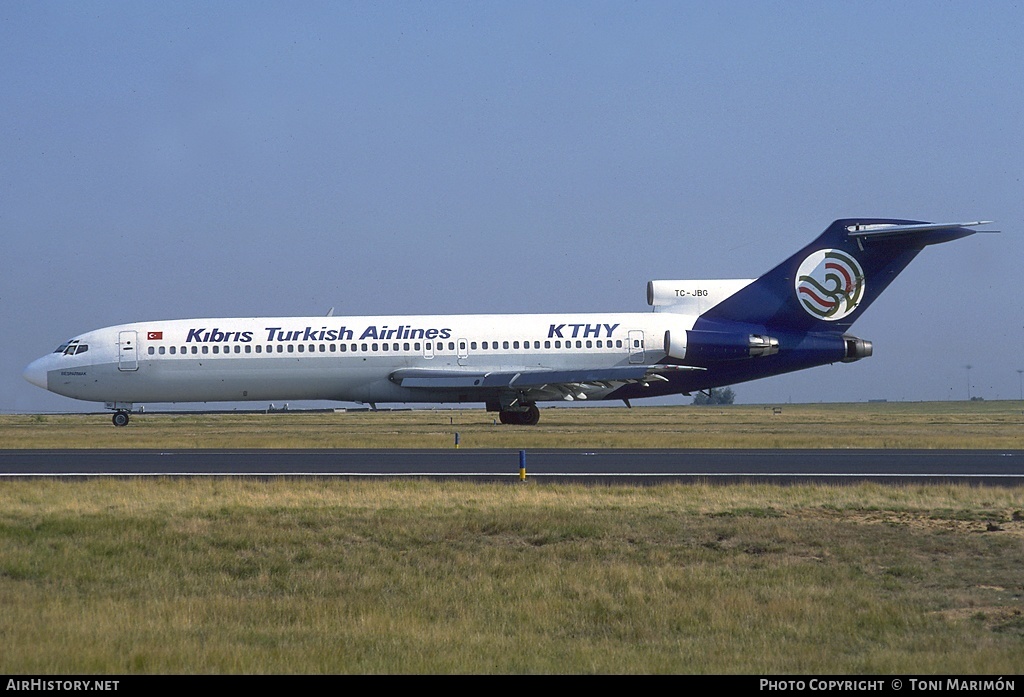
x=888 y=425
x=333 y=576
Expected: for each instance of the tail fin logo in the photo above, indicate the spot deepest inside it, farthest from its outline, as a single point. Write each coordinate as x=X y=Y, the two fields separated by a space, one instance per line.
x=830 y=284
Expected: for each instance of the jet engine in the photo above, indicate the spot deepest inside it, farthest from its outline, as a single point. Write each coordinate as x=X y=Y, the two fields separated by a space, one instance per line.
x=698 y=346
x=856 y=348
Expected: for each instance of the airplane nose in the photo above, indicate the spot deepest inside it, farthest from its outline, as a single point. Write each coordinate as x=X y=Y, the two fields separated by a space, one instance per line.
x=36 y=373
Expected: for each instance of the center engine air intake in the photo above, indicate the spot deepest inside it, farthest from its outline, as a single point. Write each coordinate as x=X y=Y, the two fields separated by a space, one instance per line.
x=698 y=346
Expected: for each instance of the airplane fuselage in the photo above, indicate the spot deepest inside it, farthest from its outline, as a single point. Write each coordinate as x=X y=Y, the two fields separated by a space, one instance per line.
x=701 y=334
x=338 y=358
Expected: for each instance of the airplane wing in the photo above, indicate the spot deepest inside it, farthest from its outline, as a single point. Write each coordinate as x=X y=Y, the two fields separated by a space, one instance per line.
x=567 y=384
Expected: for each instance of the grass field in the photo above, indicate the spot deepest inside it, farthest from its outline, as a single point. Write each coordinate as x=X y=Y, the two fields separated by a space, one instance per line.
x=881 y=425
x=330 y=576
x=150 y=576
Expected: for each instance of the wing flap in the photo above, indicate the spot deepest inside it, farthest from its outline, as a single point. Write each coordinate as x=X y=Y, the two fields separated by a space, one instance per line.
x=524 y=379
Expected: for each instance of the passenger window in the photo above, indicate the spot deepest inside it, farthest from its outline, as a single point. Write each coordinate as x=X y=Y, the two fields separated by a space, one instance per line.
x=151 y=350
x=162 y=350
x=172 y=350
x=291 y=348
x=206 y=349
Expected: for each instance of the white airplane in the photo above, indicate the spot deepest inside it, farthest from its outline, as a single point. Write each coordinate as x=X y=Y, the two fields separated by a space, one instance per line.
x=701 y=335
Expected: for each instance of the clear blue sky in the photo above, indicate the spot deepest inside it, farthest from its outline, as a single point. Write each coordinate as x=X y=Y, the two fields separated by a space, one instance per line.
x=166 y=160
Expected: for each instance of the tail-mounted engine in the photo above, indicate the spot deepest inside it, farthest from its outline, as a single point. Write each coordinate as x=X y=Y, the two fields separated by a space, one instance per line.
x=691 y=297
x=697 y=346
x=855 y=348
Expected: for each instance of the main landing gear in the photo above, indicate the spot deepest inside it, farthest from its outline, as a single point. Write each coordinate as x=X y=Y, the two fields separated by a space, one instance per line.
x=120 y=418
x=521 y=417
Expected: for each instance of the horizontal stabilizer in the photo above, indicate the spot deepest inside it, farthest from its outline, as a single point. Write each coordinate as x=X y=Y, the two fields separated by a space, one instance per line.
x=895 y=230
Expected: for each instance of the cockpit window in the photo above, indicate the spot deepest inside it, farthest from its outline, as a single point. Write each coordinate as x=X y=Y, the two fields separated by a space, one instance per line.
x=72 y=348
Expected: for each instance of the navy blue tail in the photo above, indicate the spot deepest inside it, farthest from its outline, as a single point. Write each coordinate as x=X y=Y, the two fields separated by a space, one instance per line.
x=828 y=284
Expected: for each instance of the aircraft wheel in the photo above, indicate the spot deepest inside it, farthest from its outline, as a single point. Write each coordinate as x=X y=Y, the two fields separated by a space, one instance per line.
x=530 y=417
x=120 y=418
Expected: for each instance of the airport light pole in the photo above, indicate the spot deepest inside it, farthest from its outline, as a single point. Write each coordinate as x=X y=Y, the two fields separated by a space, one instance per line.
x=1020 y=378
x=968 y=367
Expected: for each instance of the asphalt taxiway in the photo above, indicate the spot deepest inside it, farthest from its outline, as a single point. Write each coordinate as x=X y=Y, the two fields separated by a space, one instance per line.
x=981 y=467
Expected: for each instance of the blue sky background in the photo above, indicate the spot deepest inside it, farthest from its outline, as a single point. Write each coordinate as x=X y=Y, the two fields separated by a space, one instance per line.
x=167 y=160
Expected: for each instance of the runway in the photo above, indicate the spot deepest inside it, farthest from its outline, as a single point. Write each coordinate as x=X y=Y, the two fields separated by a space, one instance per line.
x=979 y=467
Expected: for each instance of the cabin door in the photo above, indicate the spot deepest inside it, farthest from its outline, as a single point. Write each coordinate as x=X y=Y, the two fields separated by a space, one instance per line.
x=636 y=346
x=127 y=350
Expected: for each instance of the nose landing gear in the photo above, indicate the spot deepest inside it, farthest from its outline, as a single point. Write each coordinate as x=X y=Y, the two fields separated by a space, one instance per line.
x=121 y=412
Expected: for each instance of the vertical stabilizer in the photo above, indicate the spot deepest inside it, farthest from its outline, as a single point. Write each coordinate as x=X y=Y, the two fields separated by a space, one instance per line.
x=828 y=284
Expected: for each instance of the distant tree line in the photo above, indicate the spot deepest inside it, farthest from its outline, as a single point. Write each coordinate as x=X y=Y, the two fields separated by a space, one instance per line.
x=716 y=395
